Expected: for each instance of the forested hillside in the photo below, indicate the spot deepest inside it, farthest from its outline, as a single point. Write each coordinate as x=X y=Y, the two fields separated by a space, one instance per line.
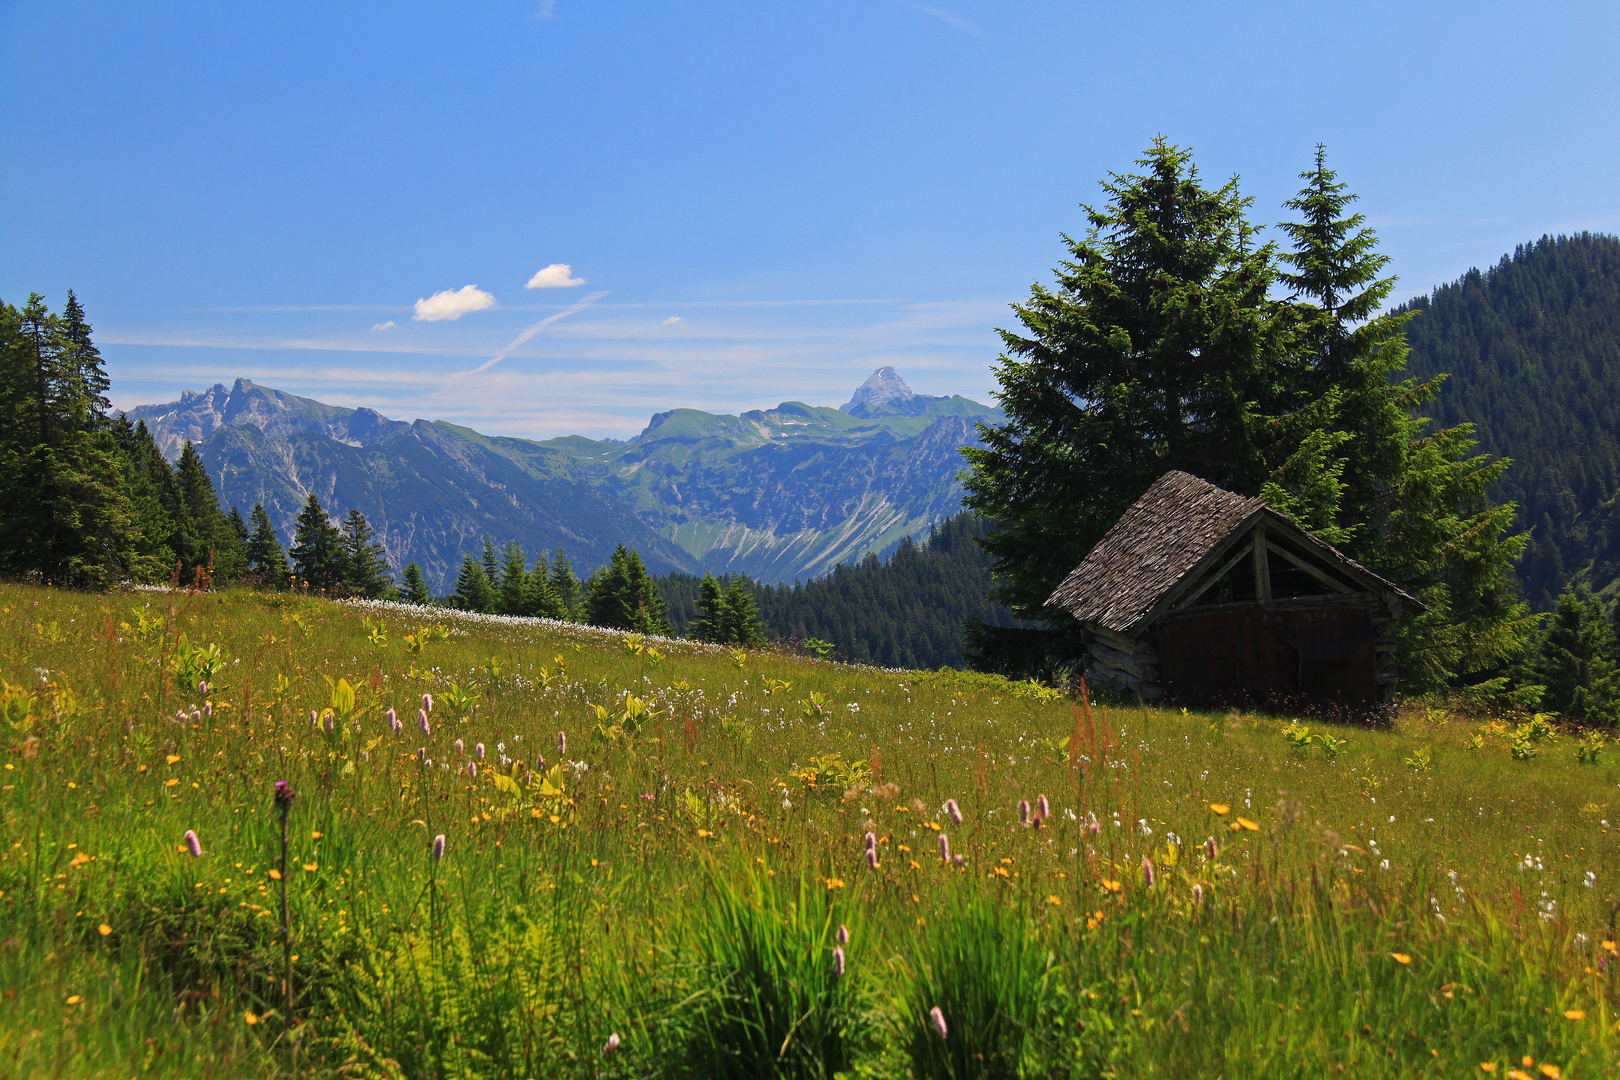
x=1532 y=346
x=906 y=612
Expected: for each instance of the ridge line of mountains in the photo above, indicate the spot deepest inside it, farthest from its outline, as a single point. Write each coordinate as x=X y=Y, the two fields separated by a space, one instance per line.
x=779 y=494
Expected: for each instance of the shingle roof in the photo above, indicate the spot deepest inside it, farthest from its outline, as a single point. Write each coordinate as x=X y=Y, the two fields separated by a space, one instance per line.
x=1157 y=543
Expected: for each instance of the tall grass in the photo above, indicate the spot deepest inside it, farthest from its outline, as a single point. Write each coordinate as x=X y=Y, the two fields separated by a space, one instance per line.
x=664 y=899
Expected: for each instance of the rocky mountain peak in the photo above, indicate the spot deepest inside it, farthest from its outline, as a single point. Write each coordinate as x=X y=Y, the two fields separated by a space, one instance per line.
x=882 y=387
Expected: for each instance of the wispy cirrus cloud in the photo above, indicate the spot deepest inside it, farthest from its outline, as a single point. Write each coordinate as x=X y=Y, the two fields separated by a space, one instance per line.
x=949 y=18
x=453 y=304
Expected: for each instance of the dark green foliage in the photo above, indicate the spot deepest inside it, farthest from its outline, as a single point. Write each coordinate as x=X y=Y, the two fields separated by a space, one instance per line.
x=413 y=587
x=1532 y=346
x=1158 y=350
x=710 y=622
x=565 y=586
x=267 y=563
x=154 y=501
x=513 y=594
x=365 y=565
x=539 y=597
x=65 y=512
x=906 y=612
x=1578 y=661
x=473 y=589
x=624 y=596
x=317 y=549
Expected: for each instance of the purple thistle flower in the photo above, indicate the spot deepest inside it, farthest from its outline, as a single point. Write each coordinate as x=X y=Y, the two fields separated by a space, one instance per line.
x=944 y=848
x=460 y=748
x=842 y=936
x=562 y=744
x=1023 y=812
x=427 y=703
x=1198 y=894
x=612 y=1044
x=1043 y=807
x=480 y=748
x=1148 y=877
x=193 y=844
x=937 y=1018
x=838 y=961
x=871 y=841
x=871 y=858
x=953 y=810
x=421 y=716
x=438 y=848
x=284 y=794
x=1210 y=850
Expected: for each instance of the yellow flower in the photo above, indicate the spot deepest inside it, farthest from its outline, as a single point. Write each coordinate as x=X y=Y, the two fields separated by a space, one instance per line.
x=313 y=835
x=1575 y=1014
x=703 y=834
x=1519 y=1074
x=171 y=781
x=1247 y=824
x=555 y=819
x=835 y=883
x=172 y=758
x=934 y=825
x=1527 y=1061
x=1612 y=946
x=1219 y=808
x=74 y=1000
x=1552 y=1072
x=275 y=875
x=1111 y=886
x=1055 y=901
x=1487 y=1066
x=250 y=1018
x=535 y=813
x=1001 y=871
x=1401 y=958
x=915 y=865
x=310 y=868
x=104 y=929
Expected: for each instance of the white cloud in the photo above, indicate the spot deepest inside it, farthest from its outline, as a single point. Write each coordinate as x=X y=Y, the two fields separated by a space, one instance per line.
x=452 y=304
x=555 y=276
x=389 y=325
x=672 y=320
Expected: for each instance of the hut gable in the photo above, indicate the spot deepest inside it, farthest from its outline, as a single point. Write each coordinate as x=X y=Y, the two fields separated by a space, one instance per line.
x=1165 y=536
x=1201 y=594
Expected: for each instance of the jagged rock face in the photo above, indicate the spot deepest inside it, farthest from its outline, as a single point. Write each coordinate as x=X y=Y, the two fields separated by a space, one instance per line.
x=881 y=387
x=780 y=494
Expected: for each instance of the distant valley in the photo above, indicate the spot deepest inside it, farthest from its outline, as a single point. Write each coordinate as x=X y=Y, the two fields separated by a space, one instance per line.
x=779 y=494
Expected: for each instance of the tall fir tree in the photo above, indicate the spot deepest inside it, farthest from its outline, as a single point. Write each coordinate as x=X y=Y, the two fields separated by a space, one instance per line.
x=365 y=564
x=491 y=563
x=1352 y=462
x=473 y=589
x=540 y=598
x=710 y=624
x=153 y=499
x=413 y=586
x=1157 y=350
x=267 y=563
x=514 y=581
x=566 y=586
x=1577 y=662
x=317 y=548
x=625 y=597
x=739 y=616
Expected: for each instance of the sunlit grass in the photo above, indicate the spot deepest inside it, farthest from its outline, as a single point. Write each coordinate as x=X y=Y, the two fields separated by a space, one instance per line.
x=676 y=876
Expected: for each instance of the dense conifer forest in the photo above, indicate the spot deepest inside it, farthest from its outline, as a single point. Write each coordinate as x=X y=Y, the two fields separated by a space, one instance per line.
x=1532 y=348
x=905 y=612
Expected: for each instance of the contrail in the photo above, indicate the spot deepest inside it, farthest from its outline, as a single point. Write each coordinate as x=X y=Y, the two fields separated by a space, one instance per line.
x=530 y=332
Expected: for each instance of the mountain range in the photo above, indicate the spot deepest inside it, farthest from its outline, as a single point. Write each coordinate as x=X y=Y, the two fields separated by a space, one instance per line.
x=778 y=494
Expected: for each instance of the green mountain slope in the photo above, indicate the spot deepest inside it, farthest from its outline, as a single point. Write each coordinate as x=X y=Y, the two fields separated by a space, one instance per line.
x=779 y=494
x=1532 y=346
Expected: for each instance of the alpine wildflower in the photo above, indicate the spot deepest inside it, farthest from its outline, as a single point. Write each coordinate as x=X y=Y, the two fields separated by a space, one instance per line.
x=838 y=961
x=1043 y=807
x=193 y=844
x=842 y=936
x=953 y=810
x=562 y=744
x=1148 y=877
x=427 y=703
x=871 y=858
x=421 y=718
x=612 y=1043
x=937 y=1018
x=438 y=848
x=479 y=748
x=944 y=848
x=1023 y=812
x=393 y=720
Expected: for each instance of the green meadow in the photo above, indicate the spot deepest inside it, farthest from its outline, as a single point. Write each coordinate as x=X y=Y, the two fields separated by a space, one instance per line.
x=655 y=862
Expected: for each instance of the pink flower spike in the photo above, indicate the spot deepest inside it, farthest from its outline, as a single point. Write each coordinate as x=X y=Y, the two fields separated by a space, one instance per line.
x=1042 y=806
x=838 y=961
x=427 y=703
x=944 y=848
x=953 y=810
x=1148 y=877
x=842 y=936
x=871 y=858
x=393 y=721
x=612 y=1044
x=480 y=748
x=438 y=848
x=193 y=844
x=937 y=1019
x=1023 y=812
x=421 y=716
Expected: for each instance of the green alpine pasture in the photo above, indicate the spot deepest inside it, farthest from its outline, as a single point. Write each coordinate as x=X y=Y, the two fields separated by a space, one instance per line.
x=661 y=858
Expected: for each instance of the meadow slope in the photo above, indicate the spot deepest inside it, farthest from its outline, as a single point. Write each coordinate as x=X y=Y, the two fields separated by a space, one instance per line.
x=665 y=858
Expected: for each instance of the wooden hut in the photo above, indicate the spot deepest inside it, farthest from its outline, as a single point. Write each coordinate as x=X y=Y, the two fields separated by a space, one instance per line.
x=1202 y=596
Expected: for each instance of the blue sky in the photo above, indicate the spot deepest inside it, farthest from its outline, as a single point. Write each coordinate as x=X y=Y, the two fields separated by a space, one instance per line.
x=759 y=201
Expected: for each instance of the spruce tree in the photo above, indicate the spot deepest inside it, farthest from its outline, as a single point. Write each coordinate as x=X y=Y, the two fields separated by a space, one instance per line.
x=491 y=563
x=317 y=549
x=473 y=590
x=365 y=564
x=624 y=596
x=566 y=586
x=540 y=598
x=1578 y=662
x=267 y=563
x=413 y=585
x=153 y=499
x=740 y=615
x=514 y=581
x=1158 y=350
x=1351 y=459
x=711 y=612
